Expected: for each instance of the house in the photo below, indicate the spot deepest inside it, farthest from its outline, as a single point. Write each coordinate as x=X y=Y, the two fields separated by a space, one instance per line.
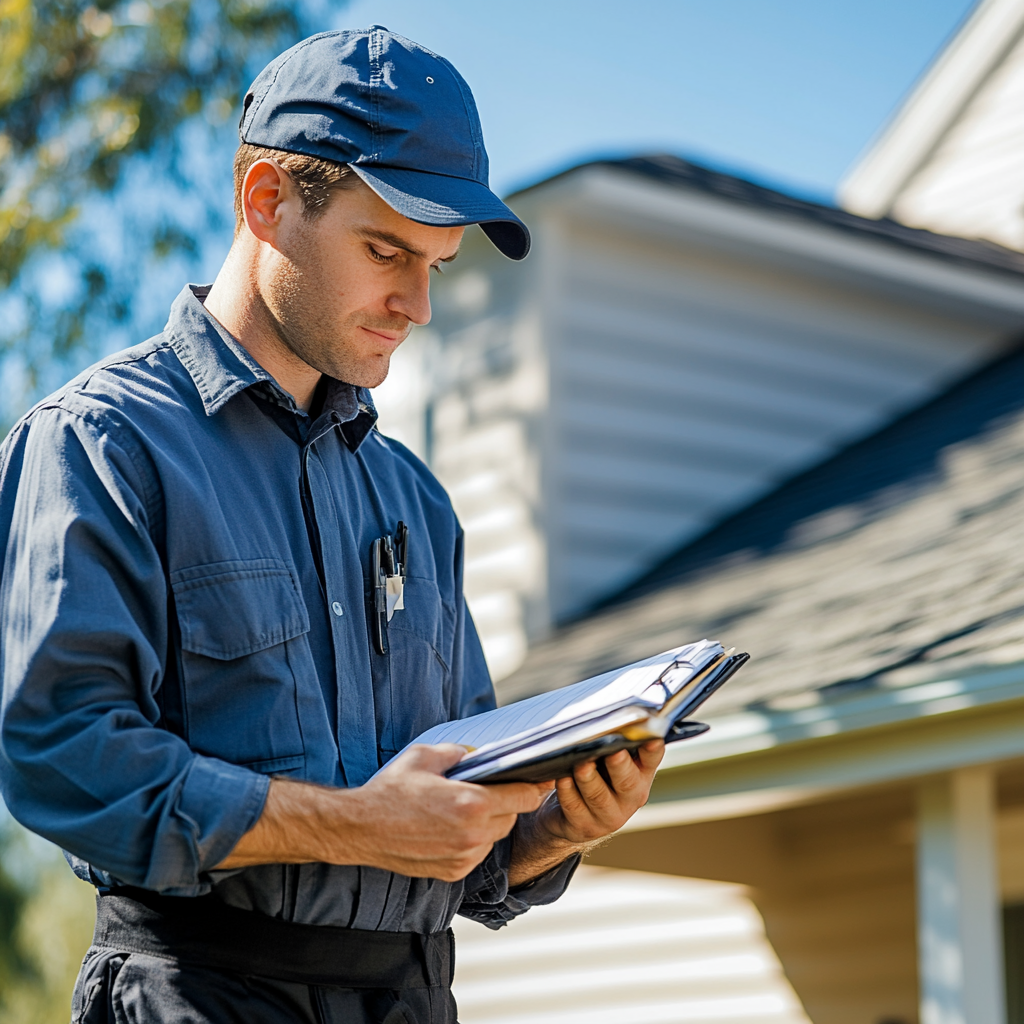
x=864 y=774
x=706 y=408
x=952 y=159
x=625 y=946
x=679 y=343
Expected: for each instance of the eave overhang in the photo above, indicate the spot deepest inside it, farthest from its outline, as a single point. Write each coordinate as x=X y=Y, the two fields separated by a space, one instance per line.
x=621 y=199
x=760 y=760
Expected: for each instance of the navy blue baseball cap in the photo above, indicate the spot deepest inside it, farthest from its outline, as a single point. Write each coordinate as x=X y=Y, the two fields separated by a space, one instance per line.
x=400 y=116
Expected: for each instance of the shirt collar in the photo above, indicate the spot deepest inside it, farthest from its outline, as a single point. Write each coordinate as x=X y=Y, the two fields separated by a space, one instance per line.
x=220 y=368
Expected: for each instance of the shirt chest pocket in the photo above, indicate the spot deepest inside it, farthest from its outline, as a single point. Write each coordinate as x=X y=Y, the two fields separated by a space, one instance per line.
x=243 y=632
x=421 y=641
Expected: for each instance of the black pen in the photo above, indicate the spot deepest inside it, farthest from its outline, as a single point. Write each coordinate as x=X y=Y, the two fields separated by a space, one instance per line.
x=380 y=597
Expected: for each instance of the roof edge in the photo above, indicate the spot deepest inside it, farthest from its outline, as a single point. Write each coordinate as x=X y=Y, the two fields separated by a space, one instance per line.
x=675 y=173
x=765 y=761
x=754 y=729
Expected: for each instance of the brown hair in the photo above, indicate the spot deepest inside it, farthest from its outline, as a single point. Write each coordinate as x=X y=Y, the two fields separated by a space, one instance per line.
x=316 y=179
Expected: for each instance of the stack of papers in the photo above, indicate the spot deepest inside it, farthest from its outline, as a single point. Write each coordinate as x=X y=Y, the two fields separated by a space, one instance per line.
x=544 y=737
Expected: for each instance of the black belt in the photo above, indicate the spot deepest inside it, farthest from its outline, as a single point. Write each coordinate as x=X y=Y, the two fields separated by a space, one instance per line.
x=204 y=931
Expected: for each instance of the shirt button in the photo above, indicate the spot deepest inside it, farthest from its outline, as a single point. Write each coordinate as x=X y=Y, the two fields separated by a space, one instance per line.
x=337 y=609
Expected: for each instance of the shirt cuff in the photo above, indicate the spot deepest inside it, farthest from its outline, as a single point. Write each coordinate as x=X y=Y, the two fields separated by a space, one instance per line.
x=489 y=899
x=215 y=806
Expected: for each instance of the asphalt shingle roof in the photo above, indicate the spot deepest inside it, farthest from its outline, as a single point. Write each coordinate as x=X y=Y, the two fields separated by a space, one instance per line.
x=900 y=558
x=676 y=172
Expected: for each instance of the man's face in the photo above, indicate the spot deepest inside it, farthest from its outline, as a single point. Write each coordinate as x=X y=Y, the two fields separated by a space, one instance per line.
x=344 y=290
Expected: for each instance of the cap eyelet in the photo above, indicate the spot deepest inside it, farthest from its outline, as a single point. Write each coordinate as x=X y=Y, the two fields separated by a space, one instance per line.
x=430 y=81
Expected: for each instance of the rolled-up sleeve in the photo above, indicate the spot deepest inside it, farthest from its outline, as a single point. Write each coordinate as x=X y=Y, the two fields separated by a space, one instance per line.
x=84 y=632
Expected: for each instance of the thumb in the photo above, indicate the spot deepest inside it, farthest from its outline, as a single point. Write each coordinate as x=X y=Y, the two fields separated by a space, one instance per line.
x=436 y=759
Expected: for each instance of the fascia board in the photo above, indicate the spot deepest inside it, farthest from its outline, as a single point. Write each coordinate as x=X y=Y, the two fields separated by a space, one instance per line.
x=814 y=250
x=909 y=139
x=757 y=730
x=757 y=761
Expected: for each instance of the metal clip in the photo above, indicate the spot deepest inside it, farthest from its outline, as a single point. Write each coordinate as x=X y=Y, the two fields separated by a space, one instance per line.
x=388 y=561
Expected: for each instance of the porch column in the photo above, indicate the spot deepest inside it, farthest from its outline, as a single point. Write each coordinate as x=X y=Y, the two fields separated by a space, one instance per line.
x=959 y=927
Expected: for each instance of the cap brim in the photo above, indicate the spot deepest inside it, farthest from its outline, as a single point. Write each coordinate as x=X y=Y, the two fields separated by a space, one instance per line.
x=444 y=201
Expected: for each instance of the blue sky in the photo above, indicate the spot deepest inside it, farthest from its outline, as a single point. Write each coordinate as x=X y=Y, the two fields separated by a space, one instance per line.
x=786 y=91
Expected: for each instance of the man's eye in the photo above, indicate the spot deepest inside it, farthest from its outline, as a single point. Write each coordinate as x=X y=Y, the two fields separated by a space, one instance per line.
x=381 y=258
x=437 y=267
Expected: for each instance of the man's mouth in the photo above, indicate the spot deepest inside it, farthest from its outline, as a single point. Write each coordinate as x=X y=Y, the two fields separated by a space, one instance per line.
x=393 y=337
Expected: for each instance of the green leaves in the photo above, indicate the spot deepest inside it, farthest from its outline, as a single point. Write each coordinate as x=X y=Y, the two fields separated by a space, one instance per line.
x=96 y=98
x=15 y=964
x=46 y=918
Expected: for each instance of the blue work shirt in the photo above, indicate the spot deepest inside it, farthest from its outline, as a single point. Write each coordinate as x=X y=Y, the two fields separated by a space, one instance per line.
x=184 y=613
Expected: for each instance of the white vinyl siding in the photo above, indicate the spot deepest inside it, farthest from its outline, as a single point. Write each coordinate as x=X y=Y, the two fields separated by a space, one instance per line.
x=626 y=946
x=640 y=377
x=685 y=385
x=973 y=184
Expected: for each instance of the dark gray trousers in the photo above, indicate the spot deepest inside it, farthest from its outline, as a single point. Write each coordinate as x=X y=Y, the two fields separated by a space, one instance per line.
x=118 y=987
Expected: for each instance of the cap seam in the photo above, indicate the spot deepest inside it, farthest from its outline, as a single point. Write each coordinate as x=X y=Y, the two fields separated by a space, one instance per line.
x=374 y=47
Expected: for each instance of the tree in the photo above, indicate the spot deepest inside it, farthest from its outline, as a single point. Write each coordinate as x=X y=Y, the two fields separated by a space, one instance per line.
x=15 y=965
x=46 y=920
x=114 y=119
x=107 y=111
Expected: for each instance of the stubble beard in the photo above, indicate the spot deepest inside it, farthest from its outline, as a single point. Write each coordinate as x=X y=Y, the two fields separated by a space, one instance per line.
x=296 y=307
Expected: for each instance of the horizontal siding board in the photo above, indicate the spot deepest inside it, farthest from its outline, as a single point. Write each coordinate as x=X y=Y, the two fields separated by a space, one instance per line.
x=677 y=452
x=680 y=381
x=666 y=502
x=730 y=344
x=591 y=527
x=722 y=436
x=606 y=474
x=712 y=397
x=649 y=509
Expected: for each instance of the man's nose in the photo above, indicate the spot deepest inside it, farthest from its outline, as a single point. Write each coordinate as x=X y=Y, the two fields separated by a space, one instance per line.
x=412 y=300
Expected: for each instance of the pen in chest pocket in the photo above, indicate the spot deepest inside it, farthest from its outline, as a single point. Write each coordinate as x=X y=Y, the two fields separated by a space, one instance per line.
x=388 y=559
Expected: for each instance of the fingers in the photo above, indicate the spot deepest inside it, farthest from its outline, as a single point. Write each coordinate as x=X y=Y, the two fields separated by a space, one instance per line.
x=436 y=759
x=622 y=771
x=596 y=793
x=569 y=798
x=651 y=754
x=592 y=800
x=518 y=797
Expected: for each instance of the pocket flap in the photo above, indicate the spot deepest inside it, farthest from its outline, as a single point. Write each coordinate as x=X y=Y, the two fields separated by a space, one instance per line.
x=230 y=609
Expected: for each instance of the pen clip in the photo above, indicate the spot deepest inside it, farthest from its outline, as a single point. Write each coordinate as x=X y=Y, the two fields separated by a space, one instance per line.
x=379 y=618
x=402 y=548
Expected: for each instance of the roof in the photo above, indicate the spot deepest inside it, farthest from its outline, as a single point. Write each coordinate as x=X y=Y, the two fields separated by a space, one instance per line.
x=676 y=172
x=897 y=560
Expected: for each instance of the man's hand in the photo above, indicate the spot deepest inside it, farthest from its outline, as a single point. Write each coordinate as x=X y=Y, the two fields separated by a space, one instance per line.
x=587 y=809
x=408 y=818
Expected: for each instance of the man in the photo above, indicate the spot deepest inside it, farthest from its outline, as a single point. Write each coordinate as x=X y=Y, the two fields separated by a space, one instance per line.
x=199 y=692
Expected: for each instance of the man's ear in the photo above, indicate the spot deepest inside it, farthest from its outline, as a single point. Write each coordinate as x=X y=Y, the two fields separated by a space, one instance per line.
x=266 y=193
